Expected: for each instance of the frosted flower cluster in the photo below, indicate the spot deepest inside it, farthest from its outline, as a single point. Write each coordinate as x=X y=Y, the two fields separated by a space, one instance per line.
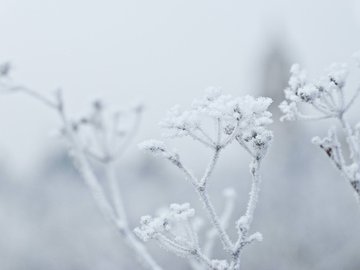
x=101 y=136
x=235 y=119
x=164 y=227
x=245 y=111
x=103 y=132
x=324 y=96
x=327 y=100
x=244 y=118
x=158 y=148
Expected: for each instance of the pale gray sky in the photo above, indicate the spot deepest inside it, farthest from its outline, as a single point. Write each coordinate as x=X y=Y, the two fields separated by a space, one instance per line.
x=160 y=52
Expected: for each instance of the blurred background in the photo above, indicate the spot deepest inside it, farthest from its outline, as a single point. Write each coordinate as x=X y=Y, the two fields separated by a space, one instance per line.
x=164 y=53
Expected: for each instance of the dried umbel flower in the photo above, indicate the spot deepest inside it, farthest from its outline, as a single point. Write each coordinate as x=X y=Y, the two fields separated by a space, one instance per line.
x=327 y=99
x=152 y=227
x=97 y=138
x=236 y=119
x=240 y=113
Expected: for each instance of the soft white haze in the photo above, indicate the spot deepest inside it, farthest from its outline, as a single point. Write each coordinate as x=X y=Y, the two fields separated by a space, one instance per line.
x=159 y=52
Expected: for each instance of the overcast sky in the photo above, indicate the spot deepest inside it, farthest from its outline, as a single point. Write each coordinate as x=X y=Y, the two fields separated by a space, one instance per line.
x=159 y=52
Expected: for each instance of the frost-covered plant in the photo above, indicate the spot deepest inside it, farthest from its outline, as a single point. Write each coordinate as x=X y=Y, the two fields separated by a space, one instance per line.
x=98 y=137
x=326 y=97
x=236 y=119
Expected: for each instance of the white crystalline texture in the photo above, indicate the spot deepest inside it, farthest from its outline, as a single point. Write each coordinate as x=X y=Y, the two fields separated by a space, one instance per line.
x=247 y=110
x=243 y=222
x=308 y=92
x=322 y=95
x=298 y=77
x=353 y=171
x=289 y=110
x=151 y=226
x=338 y=73
x=181 y=212
x=241 y=119
x=219 y=264
x=255 y=237
x=178 y=123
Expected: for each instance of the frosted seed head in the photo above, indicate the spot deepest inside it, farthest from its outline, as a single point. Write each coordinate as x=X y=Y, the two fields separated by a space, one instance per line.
x=308 y=93
x=297 y=77
x=243 y=223
x=255 y=237
x=289 y=110
x=181 y=212
x=337 y=74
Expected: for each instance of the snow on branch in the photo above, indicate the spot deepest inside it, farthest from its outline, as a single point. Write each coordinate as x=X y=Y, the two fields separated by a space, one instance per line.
x=326 y=98
x=241 y=120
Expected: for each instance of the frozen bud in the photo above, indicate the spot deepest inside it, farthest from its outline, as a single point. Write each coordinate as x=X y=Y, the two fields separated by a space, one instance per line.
x=308 y=92
x=295 y=68
x=158 y=148
x=229 y=129
x=150 y=227
x=219 y=265
x=317 y=140
x=353 y=171
x=331 y=138
x=289 y=110
x=338 y=73
x=243 y=223
x=229 y=192
x=179 y=123
x=327 y=143
x=181 y=212
x=255 y=237
x=297 y=78
x=145 y=219
x=260 y=139
x=261 y=104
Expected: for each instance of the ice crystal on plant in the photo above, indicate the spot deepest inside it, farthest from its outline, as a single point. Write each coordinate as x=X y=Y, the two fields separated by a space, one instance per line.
x=166 y=226
x=236 y=119
x=327 y=100
x=219 y=264
x=154 y=146
x=150 y=227
x=239 y=115
x=181 y=212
